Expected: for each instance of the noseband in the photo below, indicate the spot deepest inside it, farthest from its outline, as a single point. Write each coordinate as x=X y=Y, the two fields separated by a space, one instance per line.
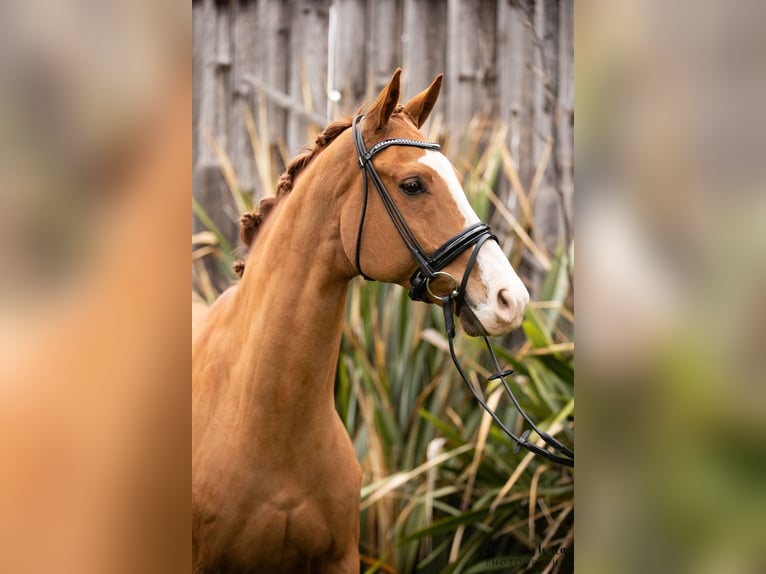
x=430 y=268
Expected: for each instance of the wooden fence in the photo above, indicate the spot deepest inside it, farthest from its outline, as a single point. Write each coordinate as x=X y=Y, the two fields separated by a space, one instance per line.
x=296 y=64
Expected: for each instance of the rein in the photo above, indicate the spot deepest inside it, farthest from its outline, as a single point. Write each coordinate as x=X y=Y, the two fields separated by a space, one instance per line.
x=430 y=268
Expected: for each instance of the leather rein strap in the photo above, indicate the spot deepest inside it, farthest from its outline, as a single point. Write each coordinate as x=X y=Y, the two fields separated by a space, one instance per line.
x=429 y=268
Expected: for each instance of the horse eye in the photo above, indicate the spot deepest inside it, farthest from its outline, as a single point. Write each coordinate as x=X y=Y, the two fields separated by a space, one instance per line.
x=412 y=187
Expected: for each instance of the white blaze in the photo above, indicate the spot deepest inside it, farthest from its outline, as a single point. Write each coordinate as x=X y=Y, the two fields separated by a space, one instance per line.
x=495 y=270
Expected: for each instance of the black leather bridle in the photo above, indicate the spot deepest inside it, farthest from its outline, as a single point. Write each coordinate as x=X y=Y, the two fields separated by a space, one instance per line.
x=430 y=268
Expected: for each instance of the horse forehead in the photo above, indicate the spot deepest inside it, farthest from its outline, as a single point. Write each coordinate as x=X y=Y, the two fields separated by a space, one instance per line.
x=439 y=163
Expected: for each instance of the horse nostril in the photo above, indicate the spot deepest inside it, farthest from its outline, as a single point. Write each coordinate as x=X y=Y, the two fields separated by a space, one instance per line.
x=503 y=299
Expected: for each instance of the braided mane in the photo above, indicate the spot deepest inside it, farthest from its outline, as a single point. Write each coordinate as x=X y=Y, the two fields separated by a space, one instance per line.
x=251 y=222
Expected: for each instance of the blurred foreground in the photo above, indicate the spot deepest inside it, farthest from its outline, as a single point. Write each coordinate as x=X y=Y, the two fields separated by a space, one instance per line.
x=94 y=187
x=672 y=271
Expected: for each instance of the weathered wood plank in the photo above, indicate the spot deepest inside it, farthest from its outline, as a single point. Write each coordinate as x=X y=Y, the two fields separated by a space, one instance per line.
x=308 y=62
x=470 y=60
x=516 y=85
x=385 y=42
x=273 y=30
x=510 y=74
x=245 y=40
x=207 y=54
x=547 y=205
x=198 y=24
x=424 y=49
x=222 y=77
x=208 y=184
x=348 y=51
x=486 y=62
x=462 y=15
x=565 y=124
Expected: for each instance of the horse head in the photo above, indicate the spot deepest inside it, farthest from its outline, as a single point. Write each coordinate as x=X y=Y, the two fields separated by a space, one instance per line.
x=424 y=191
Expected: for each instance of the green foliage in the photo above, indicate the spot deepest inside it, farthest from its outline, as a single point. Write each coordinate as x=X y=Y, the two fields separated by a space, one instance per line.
x=404 y=405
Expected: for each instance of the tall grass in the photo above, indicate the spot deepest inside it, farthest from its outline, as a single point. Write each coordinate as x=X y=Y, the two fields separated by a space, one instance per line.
x=443 y=490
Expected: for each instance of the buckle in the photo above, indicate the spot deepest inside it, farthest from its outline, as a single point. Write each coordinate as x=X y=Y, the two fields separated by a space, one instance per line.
x=417 y=286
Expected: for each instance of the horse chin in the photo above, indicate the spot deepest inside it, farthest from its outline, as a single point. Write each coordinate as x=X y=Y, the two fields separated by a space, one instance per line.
x=470 y=323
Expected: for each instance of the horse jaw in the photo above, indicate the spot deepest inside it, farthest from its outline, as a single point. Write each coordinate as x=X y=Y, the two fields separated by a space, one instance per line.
x=501 y=307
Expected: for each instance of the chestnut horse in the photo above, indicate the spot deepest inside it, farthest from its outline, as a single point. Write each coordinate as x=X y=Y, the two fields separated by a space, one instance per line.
x=275 y=479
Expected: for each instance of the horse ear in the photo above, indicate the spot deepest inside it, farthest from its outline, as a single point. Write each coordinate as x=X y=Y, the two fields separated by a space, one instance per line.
x=384 y=104
x=421 y=105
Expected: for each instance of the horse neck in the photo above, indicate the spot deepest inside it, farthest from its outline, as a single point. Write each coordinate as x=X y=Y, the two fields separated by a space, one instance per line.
x=291 y=304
